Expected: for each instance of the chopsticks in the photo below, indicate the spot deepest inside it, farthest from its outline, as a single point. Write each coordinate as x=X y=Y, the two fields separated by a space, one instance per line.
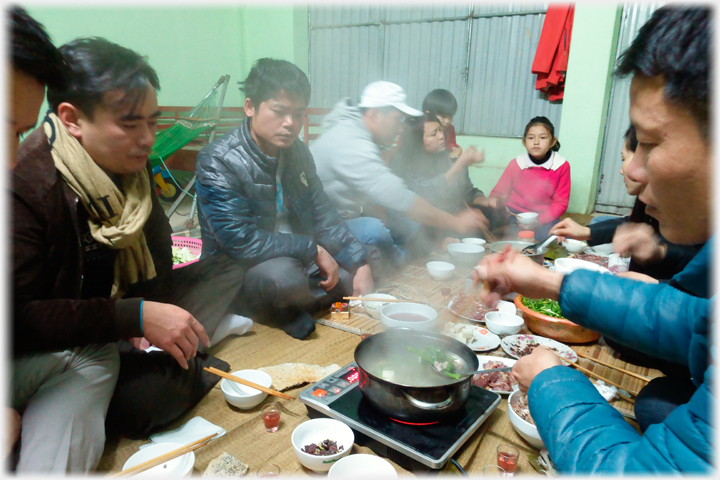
x=626 y=372
x=599 y=377
x=369 y=299
x=153 y=462
x=248 y=383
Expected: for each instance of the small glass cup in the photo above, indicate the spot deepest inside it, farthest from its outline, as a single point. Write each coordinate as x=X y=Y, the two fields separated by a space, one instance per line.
x=507 y=458
x=271 y=416
x=268 y=470
x=493 y=471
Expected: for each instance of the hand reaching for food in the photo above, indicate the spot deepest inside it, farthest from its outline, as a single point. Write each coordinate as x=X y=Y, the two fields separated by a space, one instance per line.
x=528 y=367
x=639 y=241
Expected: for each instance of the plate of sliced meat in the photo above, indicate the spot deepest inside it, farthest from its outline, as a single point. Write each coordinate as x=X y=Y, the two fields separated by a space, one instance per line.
x=601 y=260
x=499 y=382
x=520 y=345
x=470 y=307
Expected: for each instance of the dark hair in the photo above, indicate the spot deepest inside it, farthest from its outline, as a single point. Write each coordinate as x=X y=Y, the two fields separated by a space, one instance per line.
x=268 y=77
x=412 y=138
x=98 y=66
x=33 y=52
x=631 y=138
x=674 y=44
x=545 y=122
x=440 y=102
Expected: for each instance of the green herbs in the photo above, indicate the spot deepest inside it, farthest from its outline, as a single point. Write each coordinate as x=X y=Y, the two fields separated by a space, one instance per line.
x=182 y=255
x=438 y=359
x=543 y=305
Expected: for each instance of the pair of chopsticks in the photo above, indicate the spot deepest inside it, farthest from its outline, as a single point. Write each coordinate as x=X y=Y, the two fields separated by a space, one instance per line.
x=369 y=299
x=599 y=377
x=154 y=462
x=248 y=383
x=626 y=372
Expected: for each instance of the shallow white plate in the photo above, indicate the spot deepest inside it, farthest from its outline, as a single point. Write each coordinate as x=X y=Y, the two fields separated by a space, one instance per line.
x=484 y=339
x=511 y=343
x=508 y=362
x=177 y=467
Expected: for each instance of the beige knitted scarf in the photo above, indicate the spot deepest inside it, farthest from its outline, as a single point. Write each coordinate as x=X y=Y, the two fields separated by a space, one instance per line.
x=116 y=215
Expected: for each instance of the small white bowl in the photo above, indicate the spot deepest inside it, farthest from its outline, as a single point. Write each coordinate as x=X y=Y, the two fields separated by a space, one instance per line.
x=362 y=465
x=466 y=253
x=527 y=218
x=429 y=325
x=574 y=246
x=316 y=431
x=603 y=250
x=501 y=323
x=474 y=241
x=373 y=308
x=440 y=270
x=242 y=396
x=181 y=466
x=527 y=430
x=569 y=265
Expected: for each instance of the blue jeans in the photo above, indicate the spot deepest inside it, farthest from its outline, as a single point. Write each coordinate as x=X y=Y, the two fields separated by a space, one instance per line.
x=389 y=239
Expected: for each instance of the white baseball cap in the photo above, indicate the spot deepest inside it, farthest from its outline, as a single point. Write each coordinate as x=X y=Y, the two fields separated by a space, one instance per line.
x=386 y=94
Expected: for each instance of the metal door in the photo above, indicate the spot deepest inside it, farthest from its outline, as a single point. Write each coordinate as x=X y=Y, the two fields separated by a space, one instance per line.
x=611 y=194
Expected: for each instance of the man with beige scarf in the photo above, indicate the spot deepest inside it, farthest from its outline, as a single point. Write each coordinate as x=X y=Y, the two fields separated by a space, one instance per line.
x=93 y=262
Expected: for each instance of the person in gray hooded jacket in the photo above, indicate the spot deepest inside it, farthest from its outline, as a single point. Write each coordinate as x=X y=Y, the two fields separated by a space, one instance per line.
x=357 y=180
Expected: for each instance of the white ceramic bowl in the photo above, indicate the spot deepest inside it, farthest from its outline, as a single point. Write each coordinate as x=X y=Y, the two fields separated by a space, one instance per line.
x=362 y=465
x=466 y=253
x=507 y=307
x=316 y=431
x=574 y=246
x=527 y=218
x=181 y=466
x=501 y=323
x=527 y=430
x=569 y=265
x=474 y=241
x=440 y=270
x=242 y=396
x=391 y=309
x=373 y=308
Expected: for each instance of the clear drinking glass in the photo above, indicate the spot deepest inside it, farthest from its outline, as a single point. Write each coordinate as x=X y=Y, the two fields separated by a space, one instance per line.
x=507 y=458
x=268 y=470
x=271 y=416
x=493 y=471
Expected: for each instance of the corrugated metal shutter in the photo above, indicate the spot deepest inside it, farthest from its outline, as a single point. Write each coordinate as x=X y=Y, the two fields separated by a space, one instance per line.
x=612 y=197
x=434 y=46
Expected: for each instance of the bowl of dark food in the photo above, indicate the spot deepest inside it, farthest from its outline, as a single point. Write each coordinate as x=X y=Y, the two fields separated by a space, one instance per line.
x=520 y=418
x=535 y=255
x=321 y=442
x=544 y=317
x=411 y=315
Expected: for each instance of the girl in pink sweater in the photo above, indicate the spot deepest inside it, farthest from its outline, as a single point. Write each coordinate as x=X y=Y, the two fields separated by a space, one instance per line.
x=538 y=181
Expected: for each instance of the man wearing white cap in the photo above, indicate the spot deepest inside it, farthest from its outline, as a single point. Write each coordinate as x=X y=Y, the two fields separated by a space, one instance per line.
x=347 y=156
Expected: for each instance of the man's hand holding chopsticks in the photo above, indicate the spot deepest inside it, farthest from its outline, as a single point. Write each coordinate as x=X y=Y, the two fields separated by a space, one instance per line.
x=512 y=271
x=174 y=330
x=527 y=367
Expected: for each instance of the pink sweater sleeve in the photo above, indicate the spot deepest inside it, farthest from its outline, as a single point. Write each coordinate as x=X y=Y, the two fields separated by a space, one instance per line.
x=560 y=198
x=503 y=188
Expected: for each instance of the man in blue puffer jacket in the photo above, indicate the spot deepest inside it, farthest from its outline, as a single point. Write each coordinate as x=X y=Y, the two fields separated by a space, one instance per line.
x=261 y=202
x=670 y=109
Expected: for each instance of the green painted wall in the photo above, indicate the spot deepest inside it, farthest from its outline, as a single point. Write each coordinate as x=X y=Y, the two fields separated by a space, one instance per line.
x=192 y=47
x=582 y=126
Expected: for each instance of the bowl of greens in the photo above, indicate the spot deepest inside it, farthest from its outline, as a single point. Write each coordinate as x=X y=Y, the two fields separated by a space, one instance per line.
x=544 y=317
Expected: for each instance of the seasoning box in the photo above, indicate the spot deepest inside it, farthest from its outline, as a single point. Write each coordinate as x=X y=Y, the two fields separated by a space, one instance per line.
x=339 y=310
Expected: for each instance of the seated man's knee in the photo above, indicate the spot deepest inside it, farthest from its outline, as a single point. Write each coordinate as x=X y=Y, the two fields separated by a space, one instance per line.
x=275 y=276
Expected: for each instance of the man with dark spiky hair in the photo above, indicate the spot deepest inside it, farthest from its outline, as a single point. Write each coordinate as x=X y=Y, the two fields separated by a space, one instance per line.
x=93 y=283
x=261 y=202
x=36 y=63
x=670 y=110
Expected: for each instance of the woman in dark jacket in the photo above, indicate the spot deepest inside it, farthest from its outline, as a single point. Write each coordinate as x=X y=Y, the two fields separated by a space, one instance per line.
x=423 y=162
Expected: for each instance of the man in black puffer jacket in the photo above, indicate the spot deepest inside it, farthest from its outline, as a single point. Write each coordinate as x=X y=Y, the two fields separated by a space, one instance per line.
x=261 y=202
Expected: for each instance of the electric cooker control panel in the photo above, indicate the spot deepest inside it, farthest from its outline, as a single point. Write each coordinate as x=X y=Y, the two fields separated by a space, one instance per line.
x=333 y=386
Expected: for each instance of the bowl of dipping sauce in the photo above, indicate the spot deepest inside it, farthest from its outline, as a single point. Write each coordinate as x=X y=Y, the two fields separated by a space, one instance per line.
x=411 y=315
